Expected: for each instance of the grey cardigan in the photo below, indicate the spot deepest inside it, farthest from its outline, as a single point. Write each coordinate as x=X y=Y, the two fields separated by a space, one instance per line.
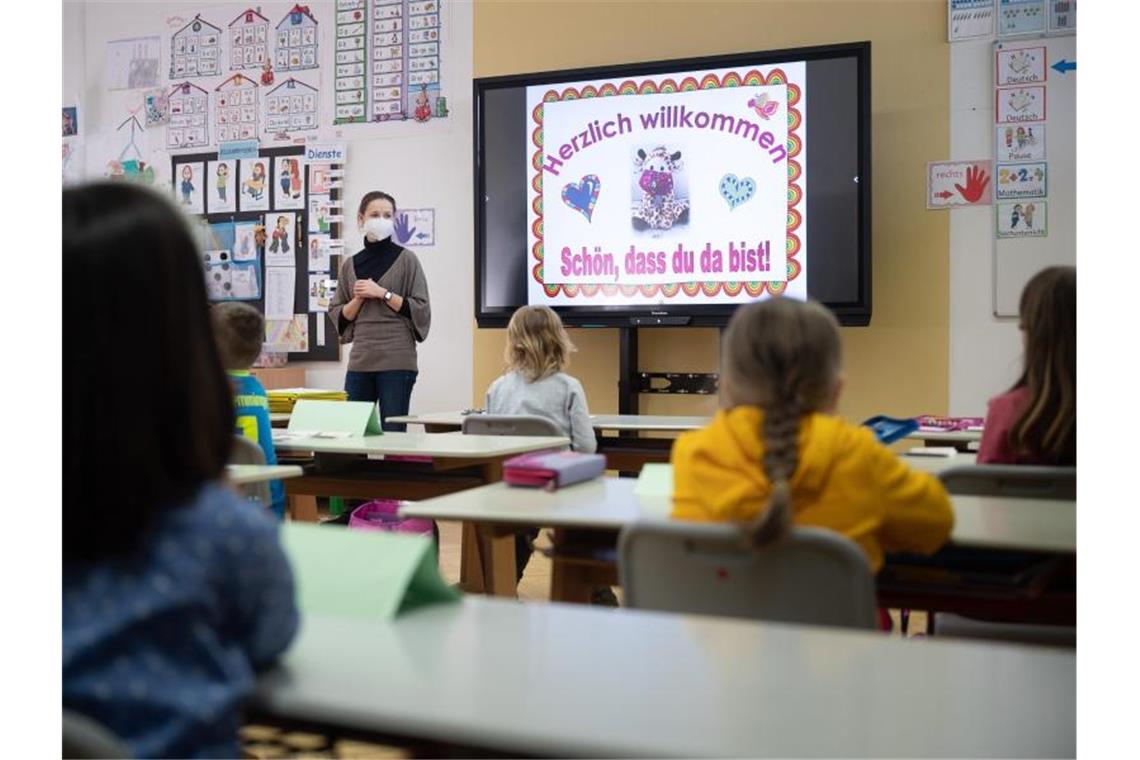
x=382 y=339
x=558 y=397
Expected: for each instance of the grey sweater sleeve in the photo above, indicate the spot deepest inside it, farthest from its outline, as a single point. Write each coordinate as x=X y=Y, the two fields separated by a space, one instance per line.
x=582 y=438
x=345 y=329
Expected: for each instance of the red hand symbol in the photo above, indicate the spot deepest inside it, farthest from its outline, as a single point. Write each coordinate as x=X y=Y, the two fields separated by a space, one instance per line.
x=976 y=181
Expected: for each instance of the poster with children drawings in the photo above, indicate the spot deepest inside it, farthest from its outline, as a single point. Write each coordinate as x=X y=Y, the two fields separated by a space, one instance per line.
x=289 y=183
x=254 y=188
x=221 y=194
x=1019 y=65
x=1021 y=219
x=132 y=64
x=1020 y=142
x=1014 y=105
x=245 y=241
x=189 y=187
x=281 y=237
x=320 y=214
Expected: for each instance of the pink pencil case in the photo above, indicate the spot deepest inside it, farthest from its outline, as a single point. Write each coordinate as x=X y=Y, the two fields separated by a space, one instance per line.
x=383 y=514
x=552 y=470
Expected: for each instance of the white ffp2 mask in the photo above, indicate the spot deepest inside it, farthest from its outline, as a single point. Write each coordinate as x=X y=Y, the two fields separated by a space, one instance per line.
x=377 y=228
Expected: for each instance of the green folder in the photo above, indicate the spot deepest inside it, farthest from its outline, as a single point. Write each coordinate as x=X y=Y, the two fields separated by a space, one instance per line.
x=373 y=575
x=344 y=417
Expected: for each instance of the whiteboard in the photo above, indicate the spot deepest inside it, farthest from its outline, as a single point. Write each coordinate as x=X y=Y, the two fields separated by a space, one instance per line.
x=1016 y=260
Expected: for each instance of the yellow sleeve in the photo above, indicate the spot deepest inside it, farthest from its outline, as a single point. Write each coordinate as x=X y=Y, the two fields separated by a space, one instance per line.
x=248 y=426
x=686 y=505
x=917 y=516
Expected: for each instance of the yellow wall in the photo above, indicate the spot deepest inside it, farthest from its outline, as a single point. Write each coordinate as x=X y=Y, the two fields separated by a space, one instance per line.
x=900 y=364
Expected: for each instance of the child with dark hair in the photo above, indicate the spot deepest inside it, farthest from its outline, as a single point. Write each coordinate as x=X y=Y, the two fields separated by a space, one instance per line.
x=1035 y=421
x=240 y=330
x=175 y=591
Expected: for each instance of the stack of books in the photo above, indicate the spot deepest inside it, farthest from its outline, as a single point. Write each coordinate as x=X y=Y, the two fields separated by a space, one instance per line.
x=283 y=399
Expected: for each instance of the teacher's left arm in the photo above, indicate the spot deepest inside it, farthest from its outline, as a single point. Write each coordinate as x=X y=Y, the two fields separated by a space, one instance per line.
x=414 y=303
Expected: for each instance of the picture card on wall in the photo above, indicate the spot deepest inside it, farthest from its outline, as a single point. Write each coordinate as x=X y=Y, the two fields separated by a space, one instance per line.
x=1021 y=65
x=320 y=179
x=320 y=214
x=1022 y=219
x=188 y=187
x=289 y=183
x=221 y=197
x=254 y=184
x=319 y=251
x=280 y=285
x=281 y=239
x=321 y=290
x=1022 y=180
x=1019 y=104
x=415 y=227
x=245 y=241
x=290 y=335
x=1020 y=142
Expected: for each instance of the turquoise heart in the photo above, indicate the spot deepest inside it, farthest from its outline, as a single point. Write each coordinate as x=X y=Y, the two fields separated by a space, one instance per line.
x=737 y=190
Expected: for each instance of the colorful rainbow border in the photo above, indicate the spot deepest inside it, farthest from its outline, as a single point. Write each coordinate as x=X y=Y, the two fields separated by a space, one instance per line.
x=688 y=84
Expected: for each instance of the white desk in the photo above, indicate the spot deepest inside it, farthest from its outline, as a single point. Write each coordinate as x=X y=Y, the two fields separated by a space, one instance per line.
x=565 y=681
x=248 y=474
x=645 y=422
x=447 y=446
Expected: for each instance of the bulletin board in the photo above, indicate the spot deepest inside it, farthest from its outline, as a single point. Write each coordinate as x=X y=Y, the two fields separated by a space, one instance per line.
x=1045 y=160
x=239 y=263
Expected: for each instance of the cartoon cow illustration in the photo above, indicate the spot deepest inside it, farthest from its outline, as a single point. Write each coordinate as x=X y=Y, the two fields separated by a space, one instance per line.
x=659 y=208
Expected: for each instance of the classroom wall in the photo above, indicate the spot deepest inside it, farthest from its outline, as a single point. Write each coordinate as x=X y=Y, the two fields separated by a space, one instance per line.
x=899 y=364
x=422 y=165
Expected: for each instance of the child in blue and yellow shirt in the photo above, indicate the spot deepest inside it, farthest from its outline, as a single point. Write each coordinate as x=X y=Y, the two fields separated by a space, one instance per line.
x=239 y=330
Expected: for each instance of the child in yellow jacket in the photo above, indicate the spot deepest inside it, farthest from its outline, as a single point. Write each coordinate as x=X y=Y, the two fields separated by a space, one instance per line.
x=776 y=455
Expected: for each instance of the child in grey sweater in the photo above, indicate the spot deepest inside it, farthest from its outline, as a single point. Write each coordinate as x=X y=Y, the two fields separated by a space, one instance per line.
x=537 y=351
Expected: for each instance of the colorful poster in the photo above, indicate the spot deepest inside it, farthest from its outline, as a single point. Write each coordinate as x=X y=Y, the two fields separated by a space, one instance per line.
x=254 y=184
x=189 y=187
x=221 y=196
x=1016 y=17
x=1022 y=219
x=1020 y=142
x=1018 y=104
x=1022 y=180
x=351 y=69
x=415 y=227
x=320 y=179
x=950 y=184
x=156 y=104
x=970 y=19
x=1019 y=65
x=281 y=229
x=289 y=183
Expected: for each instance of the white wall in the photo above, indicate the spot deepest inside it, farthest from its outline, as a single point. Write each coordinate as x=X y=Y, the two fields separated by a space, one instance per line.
x=985 y=351
x=422 y=165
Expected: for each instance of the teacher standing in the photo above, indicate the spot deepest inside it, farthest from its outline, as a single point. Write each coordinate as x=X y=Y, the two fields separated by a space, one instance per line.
x=381 y=306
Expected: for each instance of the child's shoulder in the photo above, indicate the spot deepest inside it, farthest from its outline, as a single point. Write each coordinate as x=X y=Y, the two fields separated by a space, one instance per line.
x=569 y=381
x=216 y=509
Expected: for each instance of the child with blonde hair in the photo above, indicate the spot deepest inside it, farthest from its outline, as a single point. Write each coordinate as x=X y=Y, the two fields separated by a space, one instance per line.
x=776 y=454
x=537 y=351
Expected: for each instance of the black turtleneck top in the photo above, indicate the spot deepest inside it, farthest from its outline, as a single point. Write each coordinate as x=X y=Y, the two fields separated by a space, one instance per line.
x=372 y=263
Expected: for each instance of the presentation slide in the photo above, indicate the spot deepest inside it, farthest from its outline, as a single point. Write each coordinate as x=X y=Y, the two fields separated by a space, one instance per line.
x=684 y=188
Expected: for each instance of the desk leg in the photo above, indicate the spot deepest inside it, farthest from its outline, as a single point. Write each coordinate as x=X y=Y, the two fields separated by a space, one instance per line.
x=499 y=568
x=567 y=582
x=303 y=508
x=470 y=561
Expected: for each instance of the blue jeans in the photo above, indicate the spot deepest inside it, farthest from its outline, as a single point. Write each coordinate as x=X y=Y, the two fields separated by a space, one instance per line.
x=393 y=389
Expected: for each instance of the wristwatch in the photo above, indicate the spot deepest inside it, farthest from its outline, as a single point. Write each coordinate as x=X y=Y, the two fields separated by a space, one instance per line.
x=387 y=295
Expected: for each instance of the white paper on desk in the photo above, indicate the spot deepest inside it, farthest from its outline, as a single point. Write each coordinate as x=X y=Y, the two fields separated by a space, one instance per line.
x=280 y=283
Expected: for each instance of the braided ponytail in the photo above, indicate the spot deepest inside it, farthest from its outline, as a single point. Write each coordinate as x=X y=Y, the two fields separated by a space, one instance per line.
x=783 y=356
x=781 y=429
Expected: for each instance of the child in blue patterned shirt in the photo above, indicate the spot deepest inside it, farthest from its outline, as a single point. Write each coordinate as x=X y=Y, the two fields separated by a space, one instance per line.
x=240 y=330
x=175 y=592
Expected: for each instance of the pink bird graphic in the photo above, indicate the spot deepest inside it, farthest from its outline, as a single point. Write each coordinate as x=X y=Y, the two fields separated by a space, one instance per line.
x=762 y=106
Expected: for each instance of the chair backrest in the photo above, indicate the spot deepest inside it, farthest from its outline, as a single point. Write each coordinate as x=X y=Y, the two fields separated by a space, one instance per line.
x=84 y=738
x=1029 y=481
x=509 y=424
x=812 y=576
x=246 y=451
